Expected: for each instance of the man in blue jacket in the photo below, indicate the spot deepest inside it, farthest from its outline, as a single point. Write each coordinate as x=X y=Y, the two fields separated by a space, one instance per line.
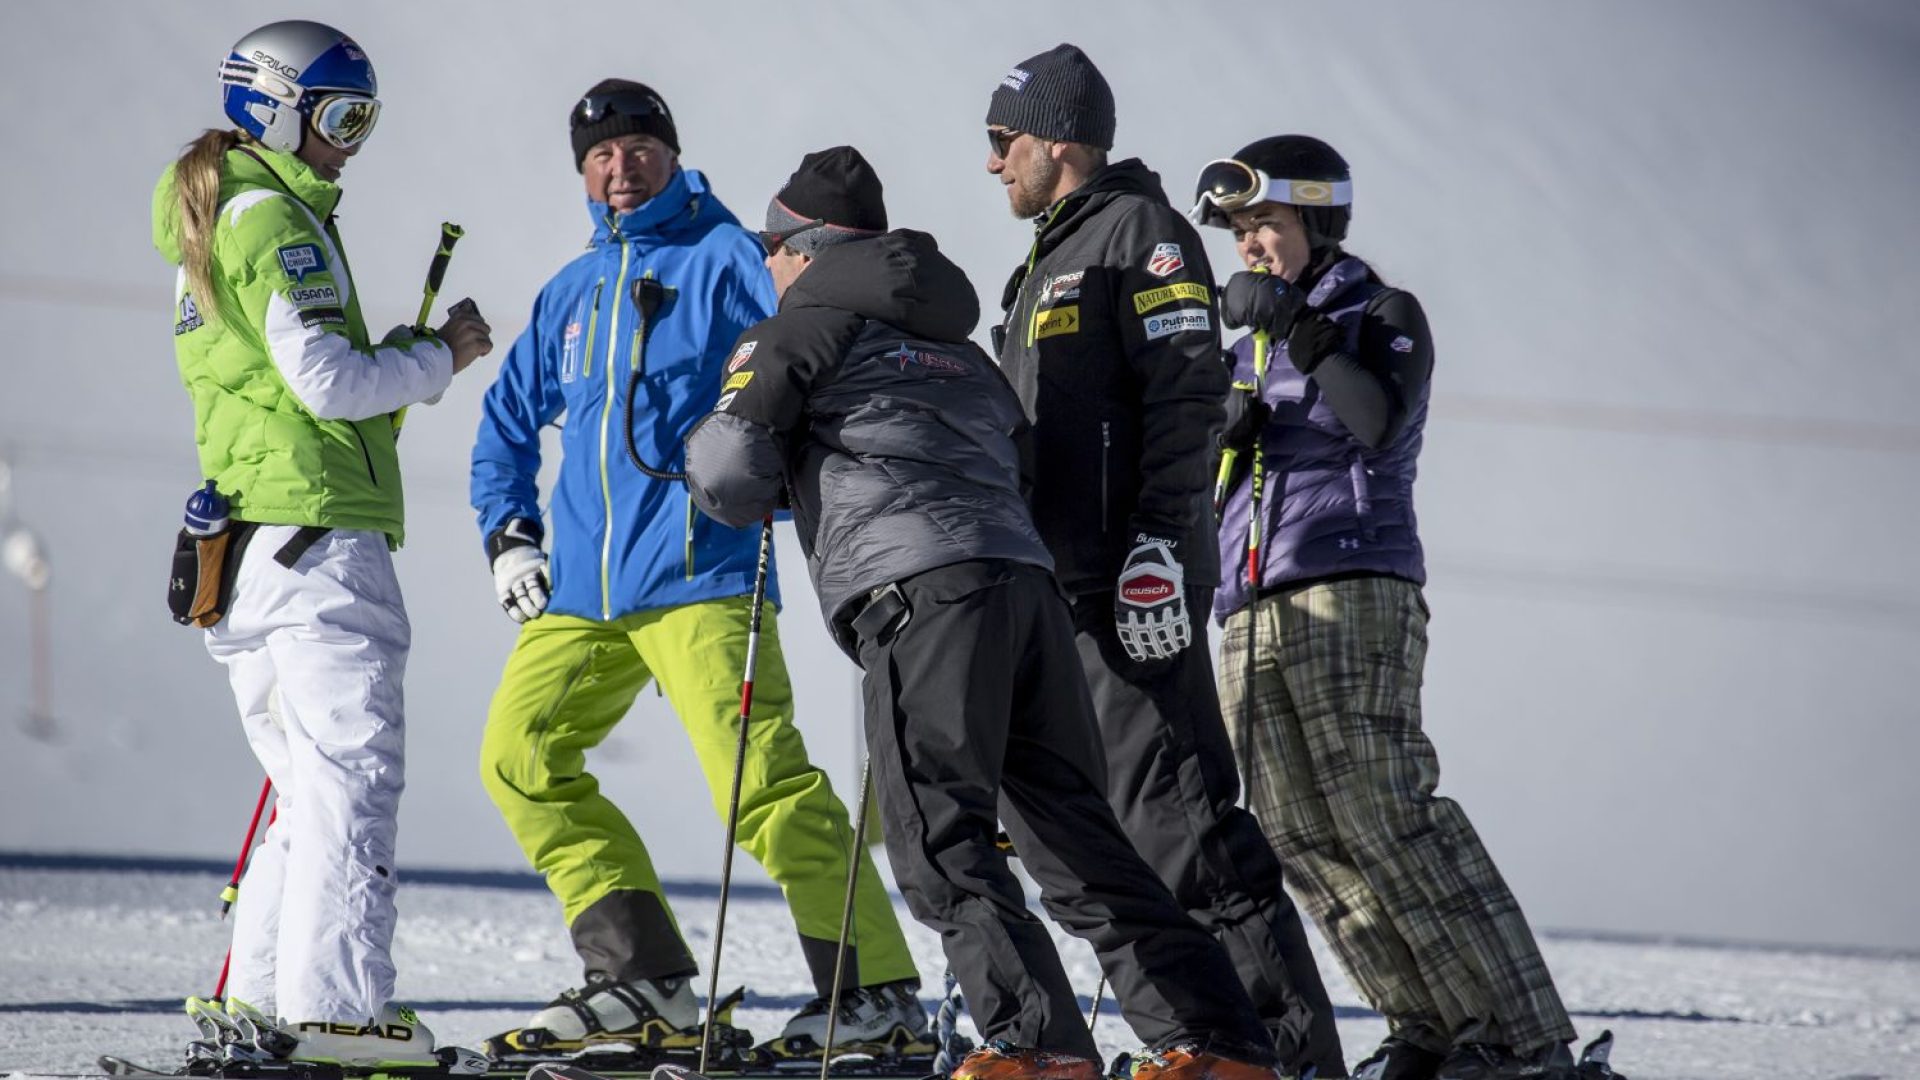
x=630 y=343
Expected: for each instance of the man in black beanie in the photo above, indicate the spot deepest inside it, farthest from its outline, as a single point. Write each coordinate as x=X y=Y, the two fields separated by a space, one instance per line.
x=901 y=448
x=1110 y=338
x=630 y=341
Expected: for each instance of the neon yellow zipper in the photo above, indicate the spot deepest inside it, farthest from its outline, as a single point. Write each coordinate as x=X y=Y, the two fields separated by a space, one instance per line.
x=606 y=413
x=689 y=539
x=593 y=323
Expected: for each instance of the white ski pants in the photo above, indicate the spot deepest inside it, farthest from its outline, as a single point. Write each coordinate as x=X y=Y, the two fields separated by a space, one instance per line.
x=316 y=655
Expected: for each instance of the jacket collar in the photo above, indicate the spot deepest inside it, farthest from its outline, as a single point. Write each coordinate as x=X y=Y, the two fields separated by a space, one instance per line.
x=677 y=205
x=252 y=163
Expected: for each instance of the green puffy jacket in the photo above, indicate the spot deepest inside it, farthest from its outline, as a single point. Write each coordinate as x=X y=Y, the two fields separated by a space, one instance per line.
x=293 y=408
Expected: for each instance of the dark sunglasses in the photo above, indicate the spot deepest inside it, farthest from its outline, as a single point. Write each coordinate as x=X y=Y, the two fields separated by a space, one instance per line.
x=1001 y=139
x=773 y=240
x=594 y=107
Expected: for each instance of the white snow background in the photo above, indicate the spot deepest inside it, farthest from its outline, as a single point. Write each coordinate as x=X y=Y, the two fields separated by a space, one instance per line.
x=1668 y=250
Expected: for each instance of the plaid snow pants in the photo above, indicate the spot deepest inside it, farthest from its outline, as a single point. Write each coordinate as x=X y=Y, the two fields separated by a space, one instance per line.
x=1341 y=778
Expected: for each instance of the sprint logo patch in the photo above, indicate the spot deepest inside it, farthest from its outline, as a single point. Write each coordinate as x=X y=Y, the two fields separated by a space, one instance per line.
x=738 y=382
x=1148 y=299
x=1175 y=322
x=312 y=296
x=299 y=260
x=1056 y=321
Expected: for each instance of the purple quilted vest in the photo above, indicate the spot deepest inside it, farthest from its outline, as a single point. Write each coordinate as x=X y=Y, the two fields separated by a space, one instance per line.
x=1330 y=505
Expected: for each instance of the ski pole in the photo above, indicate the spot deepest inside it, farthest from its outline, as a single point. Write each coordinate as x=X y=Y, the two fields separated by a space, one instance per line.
x=450 y=235
x=739 y=767
x=232 y=892
x=1262 y=342
x=846 y=910
x=1099 y=992
x=1229 y=456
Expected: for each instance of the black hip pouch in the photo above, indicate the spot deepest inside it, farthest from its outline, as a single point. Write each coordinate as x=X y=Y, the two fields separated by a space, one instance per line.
x=201 y=586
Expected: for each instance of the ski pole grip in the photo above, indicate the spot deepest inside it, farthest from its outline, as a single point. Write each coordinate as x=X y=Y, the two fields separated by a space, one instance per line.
x=450 y=235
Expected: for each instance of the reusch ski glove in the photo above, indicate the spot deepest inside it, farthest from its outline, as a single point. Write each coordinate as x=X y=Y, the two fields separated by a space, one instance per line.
x=1150 y=604
x=520 y=579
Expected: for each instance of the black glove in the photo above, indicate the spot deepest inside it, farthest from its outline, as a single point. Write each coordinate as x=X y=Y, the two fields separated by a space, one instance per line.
x=1247 y=416
x=1262 y=302
x=1314 y=338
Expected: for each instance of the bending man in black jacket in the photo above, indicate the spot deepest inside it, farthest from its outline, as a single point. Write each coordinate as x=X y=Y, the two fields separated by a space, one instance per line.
x=898 y=443
x=1110 y=340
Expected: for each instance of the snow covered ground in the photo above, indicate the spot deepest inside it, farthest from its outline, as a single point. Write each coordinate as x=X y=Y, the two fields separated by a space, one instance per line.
x=97 y=957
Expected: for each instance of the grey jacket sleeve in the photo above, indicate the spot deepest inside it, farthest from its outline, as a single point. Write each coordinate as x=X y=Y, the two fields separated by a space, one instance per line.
x=735 y=469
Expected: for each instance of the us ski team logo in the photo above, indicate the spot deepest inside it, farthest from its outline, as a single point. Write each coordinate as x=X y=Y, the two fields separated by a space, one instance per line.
x=1165 y=260
x=741 y=356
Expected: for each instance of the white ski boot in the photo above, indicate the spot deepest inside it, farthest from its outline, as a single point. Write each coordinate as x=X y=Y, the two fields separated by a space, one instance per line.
x=395 y=1037
x=642 y=1013
x=880 y=1021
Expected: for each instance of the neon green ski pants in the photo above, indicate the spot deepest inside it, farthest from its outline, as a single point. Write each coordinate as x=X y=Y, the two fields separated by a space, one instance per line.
x=568 y=682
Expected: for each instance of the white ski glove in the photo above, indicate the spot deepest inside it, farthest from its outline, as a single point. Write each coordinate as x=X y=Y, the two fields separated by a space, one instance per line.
x=520 y=579
x=1150 y=604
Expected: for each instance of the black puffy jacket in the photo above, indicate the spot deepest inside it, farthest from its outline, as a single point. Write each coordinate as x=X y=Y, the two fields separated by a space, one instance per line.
x=899 y=441
x=1112 y=341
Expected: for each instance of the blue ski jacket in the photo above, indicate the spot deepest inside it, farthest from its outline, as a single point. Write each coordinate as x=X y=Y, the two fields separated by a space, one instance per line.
x=622 y=541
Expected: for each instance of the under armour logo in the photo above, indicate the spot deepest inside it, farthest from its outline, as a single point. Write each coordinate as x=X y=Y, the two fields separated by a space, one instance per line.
x=1349 y=543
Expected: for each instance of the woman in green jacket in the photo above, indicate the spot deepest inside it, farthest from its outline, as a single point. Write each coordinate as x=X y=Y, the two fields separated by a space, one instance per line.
x=295 y=413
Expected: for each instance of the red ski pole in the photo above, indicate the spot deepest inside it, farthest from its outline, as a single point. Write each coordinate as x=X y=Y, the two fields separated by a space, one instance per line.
x=739 y=766
x=232 y=892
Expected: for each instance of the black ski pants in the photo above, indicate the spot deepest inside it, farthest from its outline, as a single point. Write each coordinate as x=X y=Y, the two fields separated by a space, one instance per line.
x=1173 y=783
x=973 y=694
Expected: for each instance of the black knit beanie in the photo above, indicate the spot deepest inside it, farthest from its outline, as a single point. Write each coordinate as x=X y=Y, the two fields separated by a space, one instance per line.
x=619 y=107
x=835 y=187
x=1057 y=95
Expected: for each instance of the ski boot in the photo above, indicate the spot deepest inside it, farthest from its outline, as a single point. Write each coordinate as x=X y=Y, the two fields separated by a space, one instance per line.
x=1398 y=1059
x=1187 y=1061
x=883 y=1022
x=624 y=1025
x=1001 y=1060
x=1485 y=1061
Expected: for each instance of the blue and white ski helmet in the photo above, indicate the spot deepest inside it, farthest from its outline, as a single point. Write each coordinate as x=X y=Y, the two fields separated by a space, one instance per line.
x=272 y=79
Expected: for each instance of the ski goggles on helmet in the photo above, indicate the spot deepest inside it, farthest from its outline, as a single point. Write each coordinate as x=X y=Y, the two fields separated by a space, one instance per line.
x=594 y=107
x=345 y=120
x=1227 y=185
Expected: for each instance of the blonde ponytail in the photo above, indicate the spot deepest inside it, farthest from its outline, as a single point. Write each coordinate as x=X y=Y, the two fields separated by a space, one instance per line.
x=196 y=181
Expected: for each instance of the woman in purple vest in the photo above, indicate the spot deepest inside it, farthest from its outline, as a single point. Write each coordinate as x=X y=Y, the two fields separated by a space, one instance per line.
x=1327 y=720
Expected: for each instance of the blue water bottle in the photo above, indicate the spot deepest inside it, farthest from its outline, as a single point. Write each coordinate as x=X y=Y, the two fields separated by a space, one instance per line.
x=206 y=513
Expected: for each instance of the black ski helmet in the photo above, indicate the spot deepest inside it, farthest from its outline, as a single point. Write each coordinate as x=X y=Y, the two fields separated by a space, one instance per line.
x=1303 y=157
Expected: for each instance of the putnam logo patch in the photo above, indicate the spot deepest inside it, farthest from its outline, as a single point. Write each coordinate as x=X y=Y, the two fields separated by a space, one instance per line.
x=1165 y=261
x=741 y=356
x=1175 y=322
x=738 y=382
x=299 y=260
x=1148 y=299
x=1055 y=321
